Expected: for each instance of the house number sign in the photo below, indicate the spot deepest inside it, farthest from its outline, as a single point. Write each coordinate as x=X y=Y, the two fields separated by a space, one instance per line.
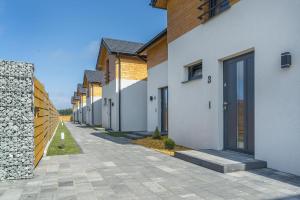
x=209 y=79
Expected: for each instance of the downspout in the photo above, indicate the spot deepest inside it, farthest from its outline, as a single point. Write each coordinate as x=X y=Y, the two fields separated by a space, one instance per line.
x=119 y=89
x=92 y=104
x=81 y=109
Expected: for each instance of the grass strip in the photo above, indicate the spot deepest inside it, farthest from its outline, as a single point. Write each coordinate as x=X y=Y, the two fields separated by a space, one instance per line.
x=70 y=146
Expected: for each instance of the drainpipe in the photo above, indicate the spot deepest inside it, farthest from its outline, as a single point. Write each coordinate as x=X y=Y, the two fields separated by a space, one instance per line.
x=82 y=109
x=119 y=89
x=92 y=104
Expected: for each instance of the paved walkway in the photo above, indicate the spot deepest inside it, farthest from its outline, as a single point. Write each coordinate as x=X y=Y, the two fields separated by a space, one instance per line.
x=112 y=168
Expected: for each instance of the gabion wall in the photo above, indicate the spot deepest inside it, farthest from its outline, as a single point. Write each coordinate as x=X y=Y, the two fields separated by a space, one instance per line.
x=16 y=120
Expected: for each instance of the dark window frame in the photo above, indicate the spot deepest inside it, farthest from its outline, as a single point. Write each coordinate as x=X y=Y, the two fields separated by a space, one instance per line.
x=107 y=71
x=192 y=71
x=218 y=6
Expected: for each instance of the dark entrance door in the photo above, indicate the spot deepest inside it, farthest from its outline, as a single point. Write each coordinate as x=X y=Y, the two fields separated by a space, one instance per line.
x=239 y=103
x=164 y=109
x=109 y=112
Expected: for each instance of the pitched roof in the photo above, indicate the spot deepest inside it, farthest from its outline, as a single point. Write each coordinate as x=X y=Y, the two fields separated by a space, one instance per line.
x=121 y=46
x=152 y=41
x=80 y=89
x=93 y=76
x=158 y=4
x=75 y=98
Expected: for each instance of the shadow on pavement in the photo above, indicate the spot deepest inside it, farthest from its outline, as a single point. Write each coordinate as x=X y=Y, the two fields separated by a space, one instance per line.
x=118 y=140
x=287 y=178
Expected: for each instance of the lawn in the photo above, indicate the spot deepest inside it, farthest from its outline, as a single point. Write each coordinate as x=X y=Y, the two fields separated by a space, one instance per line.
x=158 y=145
x=70 y=145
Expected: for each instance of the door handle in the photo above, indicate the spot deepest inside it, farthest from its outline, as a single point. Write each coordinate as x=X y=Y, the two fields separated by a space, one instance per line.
x=225 y=104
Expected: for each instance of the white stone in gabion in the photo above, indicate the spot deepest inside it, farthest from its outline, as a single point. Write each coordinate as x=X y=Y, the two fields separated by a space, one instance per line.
x=16 y=120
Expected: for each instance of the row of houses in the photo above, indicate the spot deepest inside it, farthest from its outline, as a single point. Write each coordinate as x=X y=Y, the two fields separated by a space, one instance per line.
x=224 y=75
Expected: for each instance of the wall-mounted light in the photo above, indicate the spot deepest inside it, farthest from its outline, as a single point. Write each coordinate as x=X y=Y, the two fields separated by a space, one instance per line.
x=112 y=104
x=286 y=60
x=151 y=98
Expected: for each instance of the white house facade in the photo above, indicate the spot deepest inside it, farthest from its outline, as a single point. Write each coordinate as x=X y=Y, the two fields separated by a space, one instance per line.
x=92 y=81
x=234 y=81
x=157 y=83
x=124 y=102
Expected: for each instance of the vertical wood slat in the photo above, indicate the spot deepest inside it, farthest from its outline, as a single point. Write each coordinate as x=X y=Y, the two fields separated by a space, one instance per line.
x=46 y=120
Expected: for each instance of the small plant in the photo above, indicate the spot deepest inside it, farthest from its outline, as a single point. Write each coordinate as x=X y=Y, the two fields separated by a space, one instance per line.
x=169 y=144
x=156 y=134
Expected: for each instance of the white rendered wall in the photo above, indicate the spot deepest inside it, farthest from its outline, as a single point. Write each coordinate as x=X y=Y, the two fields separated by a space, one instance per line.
x=134 y=105
x=109 y=91
x=80 y=114
x=157 y=78
x=97 y=105
x=269 y=27
x=89 y=111
x=84 y=113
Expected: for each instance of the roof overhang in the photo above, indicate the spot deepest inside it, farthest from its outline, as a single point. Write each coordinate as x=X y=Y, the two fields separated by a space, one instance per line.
x=152 y=41
x=103 y=47
x=162 y=4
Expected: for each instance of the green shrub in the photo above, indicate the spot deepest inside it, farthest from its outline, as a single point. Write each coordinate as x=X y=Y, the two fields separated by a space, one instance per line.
x=169 y=144
x=156 y=134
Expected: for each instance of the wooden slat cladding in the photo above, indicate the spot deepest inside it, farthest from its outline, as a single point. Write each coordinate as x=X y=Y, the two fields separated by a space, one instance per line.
x=45 y=121
x=157 y=53
x=183 y=16
x=97 y=90
x=132 y=68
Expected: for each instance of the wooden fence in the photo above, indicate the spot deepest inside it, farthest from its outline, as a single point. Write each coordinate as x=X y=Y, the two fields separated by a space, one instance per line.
x=45 y=121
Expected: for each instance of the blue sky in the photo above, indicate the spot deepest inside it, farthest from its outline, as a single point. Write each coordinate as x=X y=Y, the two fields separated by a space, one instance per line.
x=61 y=37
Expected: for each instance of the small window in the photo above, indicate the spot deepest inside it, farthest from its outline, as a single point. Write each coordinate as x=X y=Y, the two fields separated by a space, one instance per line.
x=218 y=6
x=107 y=71
x=195 y=71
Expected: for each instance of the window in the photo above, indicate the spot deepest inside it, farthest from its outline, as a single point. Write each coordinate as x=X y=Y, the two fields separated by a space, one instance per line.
x=88 y=91
x=195 y=71
x=217 y=6
x=107 y=71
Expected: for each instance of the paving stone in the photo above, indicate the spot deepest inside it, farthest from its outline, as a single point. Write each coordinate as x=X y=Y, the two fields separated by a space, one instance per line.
x=109 y=164
x=154 y=187
x=118 y=170
x=29 y=196
x=65 y=184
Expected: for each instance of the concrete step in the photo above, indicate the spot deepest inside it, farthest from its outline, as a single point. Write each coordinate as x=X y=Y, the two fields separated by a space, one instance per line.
x=146 y=134
x=99 y=129
x=133 y=136
x=221 y=161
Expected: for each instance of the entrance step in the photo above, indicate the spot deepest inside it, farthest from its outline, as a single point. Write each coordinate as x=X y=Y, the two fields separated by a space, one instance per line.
x=221 y=161
x=147 y=134
x=133 y=136
x=141 y=134
x=99 y=129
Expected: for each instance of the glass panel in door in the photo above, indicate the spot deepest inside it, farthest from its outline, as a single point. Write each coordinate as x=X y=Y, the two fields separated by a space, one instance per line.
x=240 y=104
x=164 y=109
